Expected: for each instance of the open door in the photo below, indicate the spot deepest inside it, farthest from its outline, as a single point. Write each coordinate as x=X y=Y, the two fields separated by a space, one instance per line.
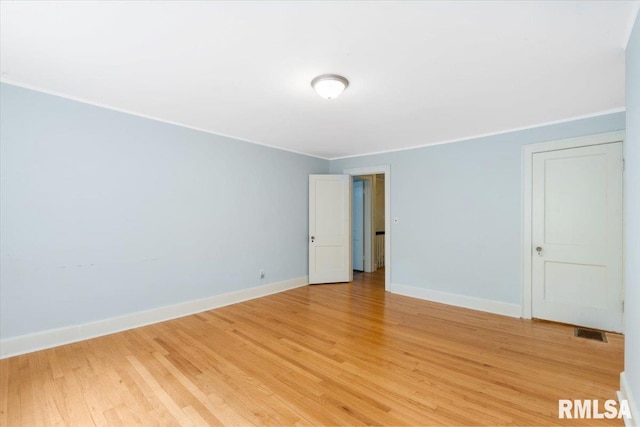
x=330 y=229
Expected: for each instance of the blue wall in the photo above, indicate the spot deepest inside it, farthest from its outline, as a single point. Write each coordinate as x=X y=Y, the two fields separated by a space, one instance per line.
x=632 y=216
x=105 y=213
x=460 y=207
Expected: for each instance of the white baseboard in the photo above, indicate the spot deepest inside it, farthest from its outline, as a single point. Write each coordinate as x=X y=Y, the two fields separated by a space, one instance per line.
x=55 y=337
x=474 y=303
x=626 y=394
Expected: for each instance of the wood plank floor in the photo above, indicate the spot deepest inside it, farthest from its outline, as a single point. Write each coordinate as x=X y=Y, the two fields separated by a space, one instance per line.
x=343 y=354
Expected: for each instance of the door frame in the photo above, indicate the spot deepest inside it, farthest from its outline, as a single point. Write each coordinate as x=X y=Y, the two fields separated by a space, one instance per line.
x=385 y=170
x=527 y=191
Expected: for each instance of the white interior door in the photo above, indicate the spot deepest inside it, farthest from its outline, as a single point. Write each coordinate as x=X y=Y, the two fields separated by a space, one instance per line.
x=577 y=236
x=358 y=225
x=330 y=229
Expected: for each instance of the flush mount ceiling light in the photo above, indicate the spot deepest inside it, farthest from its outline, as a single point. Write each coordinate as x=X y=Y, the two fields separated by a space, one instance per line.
x=329 y=86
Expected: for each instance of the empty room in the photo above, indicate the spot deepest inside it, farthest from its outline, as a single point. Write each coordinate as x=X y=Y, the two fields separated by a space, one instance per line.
x=337 y=213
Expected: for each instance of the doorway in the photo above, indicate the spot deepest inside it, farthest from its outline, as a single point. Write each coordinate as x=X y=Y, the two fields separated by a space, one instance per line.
x=368 y=222
x=572 y=245
x=376 y=236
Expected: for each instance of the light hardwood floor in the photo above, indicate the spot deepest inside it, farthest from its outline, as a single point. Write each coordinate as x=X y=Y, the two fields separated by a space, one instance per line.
x=342 y=354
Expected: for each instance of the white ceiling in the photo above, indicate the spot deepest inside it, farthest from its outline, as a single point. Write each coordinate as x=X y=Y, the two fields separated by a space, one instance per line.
x=420 y=72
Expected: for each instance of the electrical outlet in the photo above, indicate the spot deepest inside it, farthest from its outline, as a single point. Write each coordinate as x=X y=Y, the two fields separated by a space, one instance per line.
x=262 y=274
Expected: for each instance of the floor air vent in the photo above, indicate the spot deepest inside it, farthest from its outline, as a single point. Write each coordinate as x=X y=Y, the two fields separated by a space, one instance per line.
x=590 y=334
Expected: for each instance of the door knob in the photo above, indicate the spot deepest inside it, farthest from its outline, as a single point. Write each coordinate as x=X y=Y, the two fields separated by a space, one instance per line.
x=539 y=250
x=313 y=239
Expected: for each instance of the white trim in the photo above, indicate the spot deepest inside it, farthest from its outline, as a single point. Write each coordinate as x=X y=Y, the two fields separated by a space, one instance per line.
x=55 y=337
x=386 y=170
x=625 y=394
x=484 y=135
x=527 y=157
x=146 y=116
x=473 y=303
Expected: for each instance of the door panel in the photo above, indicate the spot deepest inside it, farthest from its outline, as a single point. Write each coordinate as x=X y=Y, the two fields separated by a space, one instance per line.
x=565 y=281
x=330 y=258
x=330 y=229
x=577 y=236
x=575 y=186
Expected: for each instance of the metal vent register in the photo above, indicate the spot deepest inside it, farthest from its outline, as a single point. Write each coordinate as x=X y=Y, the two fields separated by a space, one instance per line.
x=591 y=334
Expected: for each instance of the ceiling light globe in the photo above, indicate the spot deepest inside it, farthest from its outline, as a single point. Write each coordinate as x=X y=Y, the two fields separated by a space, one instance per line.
x=329 y=86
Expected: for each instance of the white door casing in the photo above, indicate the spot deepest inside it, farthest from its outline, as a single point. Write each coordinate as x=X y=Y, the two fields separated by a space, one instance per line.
x=576 y=236
x=358 y=225
x=330 y=224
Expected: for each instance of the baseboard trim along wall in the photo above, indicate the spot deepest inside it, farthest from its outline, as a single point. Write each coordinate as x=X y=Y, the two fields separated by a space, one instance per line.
x=473 y=303
x=625 y=394
x=70 y=334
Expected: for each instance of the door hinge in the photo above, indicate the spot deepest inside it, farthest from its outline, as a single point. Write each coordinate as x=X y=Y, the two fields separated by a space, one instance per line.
x=623 y=164
x=622 y=306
